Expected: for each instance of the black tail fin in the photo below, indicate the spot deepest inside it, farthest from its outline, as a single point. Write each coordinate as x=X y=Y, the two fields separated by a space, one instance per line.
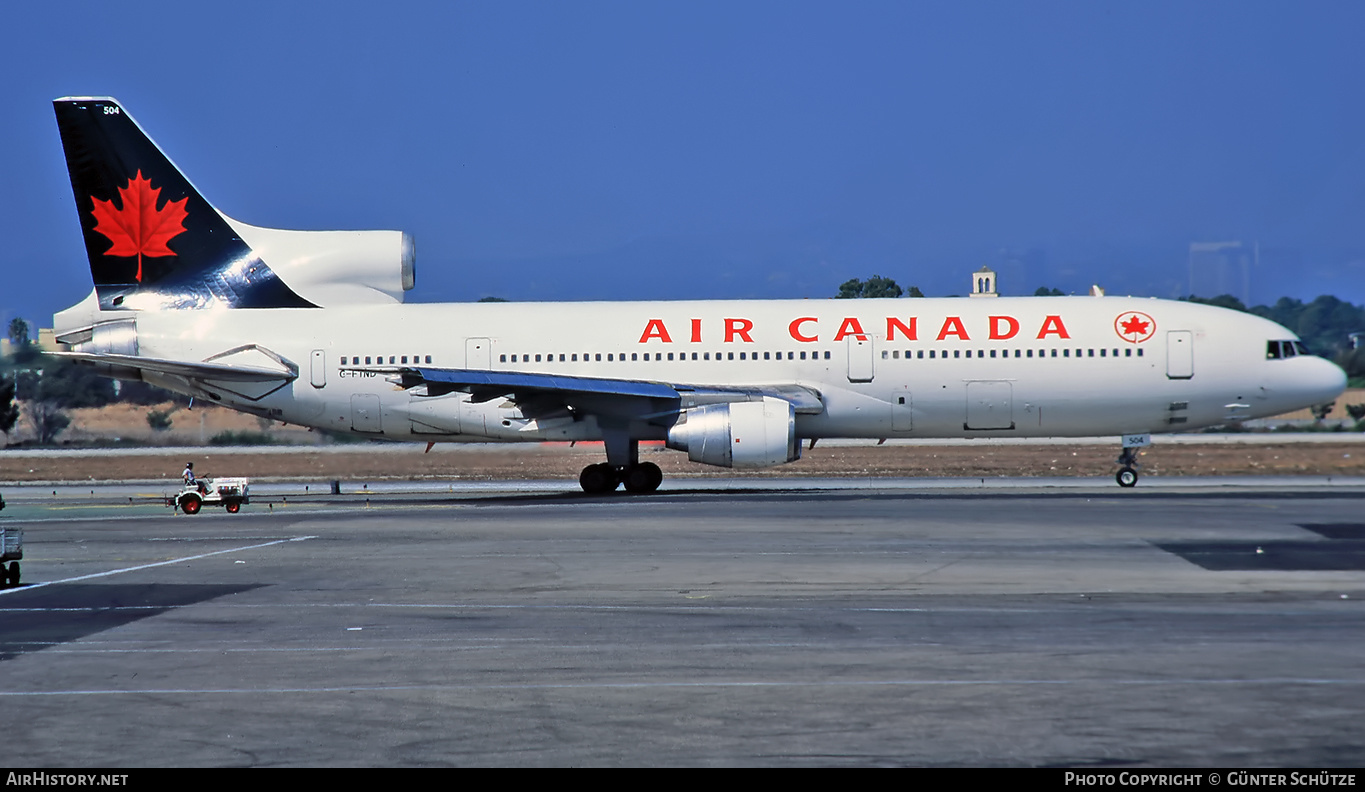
x=152 y=239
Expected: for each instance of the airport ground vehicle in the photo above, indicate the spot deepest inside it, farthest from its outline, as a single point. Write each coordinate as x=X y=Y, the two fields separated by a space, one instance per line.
x=11 y=551
x=230 y=493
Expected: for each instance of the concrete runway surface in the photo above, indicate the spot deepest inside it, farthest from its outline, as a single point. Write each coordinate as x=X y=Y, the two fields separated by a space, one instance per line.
x=788 y=626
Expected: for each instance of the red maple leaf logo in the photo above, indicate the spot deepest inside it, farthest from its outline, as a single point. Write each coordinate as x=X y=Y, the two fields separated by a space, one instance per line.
x=139 y=228
x=1134 y=326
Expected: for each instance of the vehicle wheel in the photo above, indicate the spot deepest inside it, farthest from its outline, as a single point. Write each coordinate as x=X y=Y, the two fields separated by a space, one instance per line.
x=598 y=478
x=13 y=577
x=1126 y=477
x=233 y=507
x=644 y=477
x=190 y=503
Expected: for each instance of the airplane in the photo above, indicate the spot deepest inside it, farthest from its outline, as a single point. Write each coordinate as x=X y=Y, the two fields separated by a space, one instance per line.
x=311 y=328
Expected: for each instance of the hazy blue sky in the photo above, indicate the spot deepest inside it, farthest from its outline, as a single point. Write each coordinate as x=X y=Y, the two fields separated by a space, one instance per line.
x=619 y=150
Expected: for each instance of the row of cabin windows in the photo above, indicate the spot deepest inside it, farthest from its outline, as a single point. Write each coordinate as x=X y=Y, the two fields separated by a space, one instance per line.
x=636 y=356
x=918 y=354
x=379 y=360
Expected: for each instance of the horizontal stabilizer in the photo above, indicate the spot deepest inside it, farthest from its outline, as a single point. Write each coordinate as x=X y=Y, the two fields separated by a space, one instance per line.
x=178 y=368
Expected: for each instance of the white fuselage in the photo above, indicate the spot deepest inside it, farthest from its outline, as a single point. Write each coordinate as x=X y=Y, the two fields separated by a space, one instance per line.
x=955 y=367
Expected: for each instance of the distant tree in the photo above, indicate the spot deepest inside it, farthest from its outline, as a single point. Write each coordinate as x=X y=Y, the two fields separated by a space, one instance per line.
x=875 y=286
x=148 y=395
x=9 y=411
x=493 y=299
x=1352 y=361
x=1044 y=291
x=1321 y=411
x=914 y=292
x=66 y=384
x=159 y=420
x=18 y=332
x=1222 y=301
x=47 y=420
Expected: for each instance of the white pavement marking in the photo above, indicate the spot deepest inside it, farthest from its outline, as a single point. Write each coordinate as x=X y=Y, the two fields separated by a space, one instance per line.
x=1313 y=681
x=33 y=586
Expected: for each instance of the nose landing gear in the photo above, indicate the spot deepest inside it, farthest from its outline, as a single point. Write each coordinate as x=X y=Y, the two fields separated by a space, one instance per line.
x=1128 y=464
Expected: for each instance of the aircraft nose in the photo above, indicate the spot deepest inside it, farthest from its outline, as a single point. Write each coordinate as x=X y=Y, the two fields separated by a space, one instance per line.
x=1324 y=382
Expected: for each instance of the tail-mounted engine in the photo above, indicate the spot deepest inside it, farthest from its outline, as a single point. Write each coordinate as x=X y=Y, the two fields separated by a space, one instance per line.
x=749 y=434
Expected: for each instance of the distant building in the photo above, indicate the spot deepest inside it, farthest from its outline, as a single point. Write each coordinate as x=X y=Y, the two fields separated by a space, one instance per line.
x=1218 y=268
x=46 y=342
x=983 y=283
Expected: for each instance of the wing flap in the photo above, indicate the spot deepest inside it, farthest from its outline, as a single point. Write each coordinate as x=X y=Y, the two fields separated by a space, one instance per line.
x=526 y=386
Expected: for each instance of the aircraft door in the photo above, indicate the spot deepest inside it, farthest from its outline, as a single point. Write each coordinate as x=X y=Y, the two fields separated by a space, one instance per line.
x=990 y=405
x=478 y=355
x=318 y=373
x=902 y=416
x=365 y=414
x=860 y=365
x=1179 y=354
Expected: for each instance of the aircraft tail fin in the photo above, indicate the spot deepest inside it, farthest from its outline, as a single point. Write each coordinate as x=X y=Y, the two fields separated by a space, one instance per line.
x=153 y=241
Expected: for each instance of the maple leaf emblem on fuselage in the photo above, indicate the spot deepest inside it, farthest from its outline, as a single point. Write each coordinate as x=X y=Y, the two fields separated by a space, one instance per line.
x=139 y=228
x=1134 y=326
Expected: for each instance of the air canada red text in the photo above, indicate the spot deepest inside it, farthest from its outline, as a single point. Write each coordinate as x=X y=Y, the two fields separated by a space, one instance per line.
x=812 y=329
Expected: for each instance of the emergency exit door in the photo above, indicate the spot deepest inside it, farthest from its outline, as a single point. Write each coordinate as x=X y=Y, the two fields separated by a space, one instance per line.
x=1180 y=354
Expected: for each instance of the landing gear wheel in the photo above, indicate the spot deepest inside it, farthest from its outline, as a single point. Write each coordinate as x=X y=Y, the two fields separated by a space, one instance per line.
x=233 y=507
x=644 y=477
x=1127 y=477
x=598 y=478
x=190 y=503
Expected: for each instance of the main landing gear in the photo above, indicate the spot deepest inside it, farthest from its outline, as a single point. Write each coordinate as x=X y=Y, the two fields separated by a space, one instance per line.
x=604 y=477
x=1128 y=464
x=623 y=466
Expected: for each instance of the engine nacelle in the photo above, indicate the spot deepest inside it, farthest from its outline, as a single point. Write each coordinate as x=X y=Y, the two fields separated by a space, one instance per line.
x=337 y=267
x=749 y=434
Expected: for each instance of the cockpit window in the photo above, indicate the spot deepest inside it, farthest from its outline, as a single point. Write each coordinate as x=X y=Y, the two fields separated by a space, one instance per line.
x=1278 y=350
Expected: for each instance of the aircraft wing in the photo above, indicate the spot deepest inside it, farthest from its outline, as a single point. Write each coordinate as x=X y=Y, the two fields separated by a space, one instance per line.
x=547 y=391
